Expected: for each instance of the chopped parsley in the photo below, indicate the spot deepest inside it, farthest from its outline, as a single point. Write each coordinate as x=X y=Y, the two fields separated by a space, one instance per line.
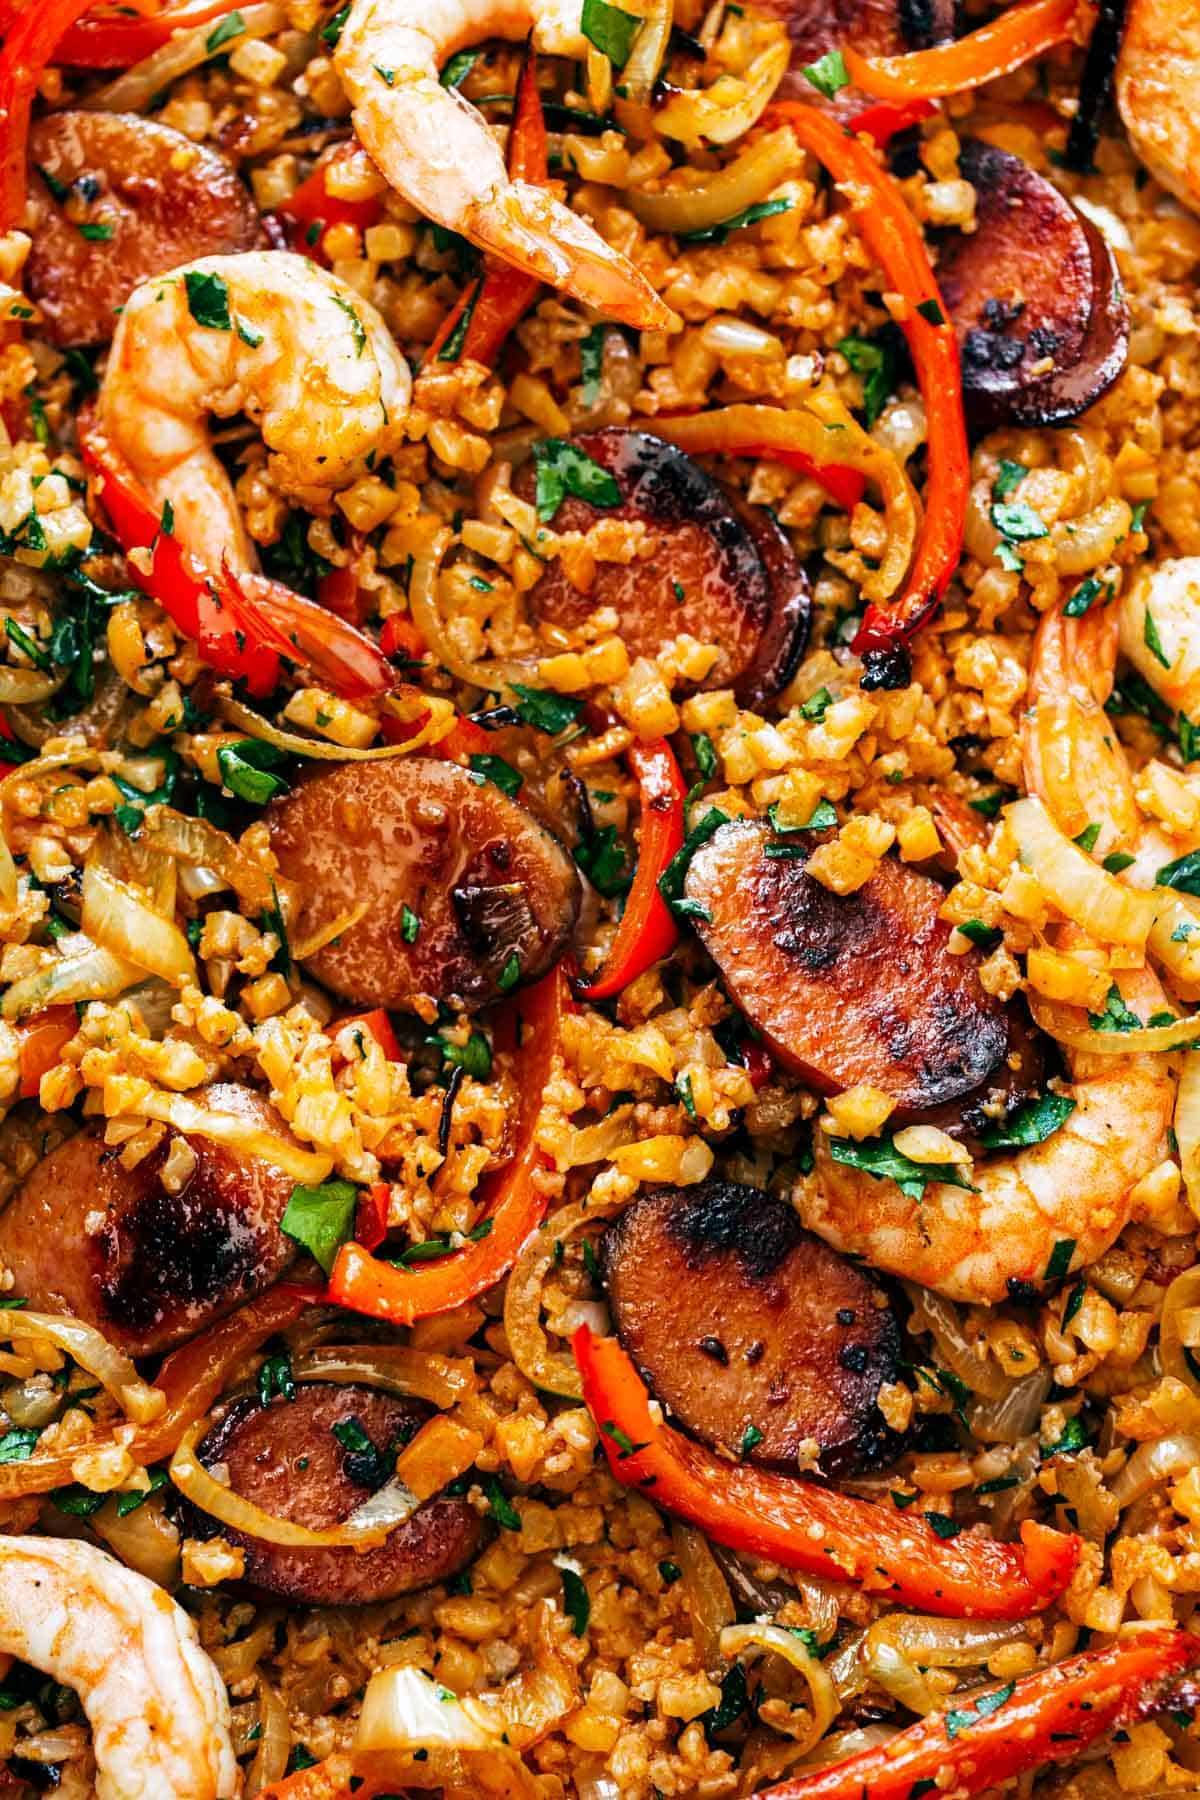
x=1009 y=476
x=880 y=1158
x=229 y=27
x=545 y=710
x=500 y=1506
x=247 y=770
x=1153 y=641
x=458 y=68
x=1017 y=521
x=610 y=29
x=984 y=937
x=563 y=468
x=828 y=74
x=576 y=1602
x=931 y=312
x=321 y=1218
x=874 y=359
x=1060 y=1259
x=1032 y=1123
x=208 y=299
x=984 y=1707
x=717 y=234
x=494 y=769
x=410 y=924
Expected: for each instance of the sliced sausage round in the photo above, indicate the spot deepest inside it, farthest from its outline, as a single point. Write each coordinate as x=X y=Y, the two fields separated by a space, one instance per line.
x=708 y=566
x=156 y=200
x=846 y=989
x=458 y=880
x=875 y=27
x=761 y=1340
x=149 y=1267
x=1035 y=297
x=316 y=1459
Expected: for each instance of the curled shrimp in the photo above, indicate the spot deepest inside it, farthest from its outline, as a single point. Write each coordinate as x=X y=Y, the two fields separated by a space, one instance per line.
x=436 y=150
x=1160 y=630
x=1075 y=1187
x=1158 y=77
x=157 y=1707
x=265 y=333
x=1073 y=759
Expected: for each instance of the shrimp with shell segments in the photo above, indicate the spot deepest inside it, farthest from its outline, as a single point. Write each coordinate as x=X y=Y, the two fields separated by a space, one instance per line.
x=265 y=333
x=436 y=150
x=1076 y=1186
x=157 y=1707
x=1158 y=77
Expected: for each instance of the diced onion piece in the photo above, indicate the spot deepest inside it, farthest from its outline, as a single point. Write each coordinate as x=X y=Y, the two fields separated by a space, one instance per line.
x=649 y=49
x=418 y=1733
x=88 y=1347
x=1187 y=1128
x=135 y=89
x=201 y=845
x=144 y=1539
x=743 y=183
x=537 y=1699
x=70 y=753
x=1151 y=1464
x=274 y=1742
x=898 y=1675
x=900 y=1645
x=9 y=888
x=437 y=717
x=725 y=111
x=1064 y=1024
x=773 y=1638
x=117 y=917
x=27 y=687
x=1082 y=891
x=393 y=1368
x=709 y=1602
x=827 y=436
x=1179 y=1302
x=96 y=974
x=1007 y=1420
x=940 y=1317
x=307 y=1166
x=553 y=1370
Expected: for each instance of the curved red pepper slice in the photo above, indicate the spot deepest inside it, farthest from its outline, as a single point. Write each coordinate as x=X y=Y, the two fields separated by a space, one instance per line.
x=883 y=120
x=514 y=1205
x=992 y=1735
x=31 y=40
x=495 y=302
x=117 y=40
x=803 y=1526
x=647 y=931
x=1016 y=37
x=894 y=239
x=307 y=214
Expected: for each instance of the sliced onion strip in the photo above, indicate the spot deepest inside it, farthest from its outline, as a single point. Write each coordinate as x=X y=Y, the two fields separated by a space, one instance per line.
x=274 y=1742
x=436 y=713
x=725 y=111
x=118 y=918
x=186 y=1115
x=709 y=1601
x=27 y=687
x=133 y=90
x=88 y=1347
x=425 y=605
x=553 y=1370
x=743 y=183
x=392 y=1368
x=1081 y=890
x=1151 y=1464
x=1063 y=1023
x=201 y=845
x=326 y=933
x=1176 y=1328
x=95 y=974
x=737 y=1639
x=415 y=1733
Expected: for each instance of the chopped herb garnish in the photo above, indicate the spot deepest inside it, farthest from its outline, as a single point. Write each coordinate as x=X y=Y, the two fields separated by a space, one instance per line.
x=931 y=312
x=670 y=1572
x=208 y=299
x=458 y=68
x=229 y=27
x=96 y=233
x=563 y=468
x=984 y=1707
x=717 y=234
x=275 y=1377
x=576 y=1602
x=875 y=360
x=500 y=1506
x=943 y=1524
x=28 y=645
x=817 y=705
x=247 y=770
x=670 y=882
x=1116 y=1015
x=17 y=1445
x=880 y=1158
x=1060 y=1259
x=1017 y=521
x=1010 y=475
x=604 y=860
x=591 y=363
x=544 y=710
x=1032 y=1123
x=1083 y=598
x=1153 y=641
x=1117 y=861
x=984 y=937
x=750 y=1437
x=321 y=1218
x=610 y=29
x=828 y=74
x=331 y=32
x=410 y=925
x=1087 y=837
x=494 y=769
x=621 y=1439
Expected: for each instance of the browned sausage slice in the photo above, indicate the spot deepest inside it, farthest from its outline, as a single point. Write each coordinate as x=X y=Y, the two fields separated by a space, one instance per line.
x=481 y=878
x=159 y=199
x=850 y=989
x=744 y=1323
x=1035 y=297
x=288 y=1458
x=724 y=574
x=149 y=1267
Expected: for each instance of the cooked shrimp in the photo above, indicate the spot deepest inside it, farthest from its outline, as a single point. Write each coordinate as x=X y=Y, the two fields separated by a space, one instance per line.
x=436 y=150
x=265 y=333
x=1161 y=606
x=157 y=1707
x=1158 y=78
x=1074 y=760
x=1075 y=1187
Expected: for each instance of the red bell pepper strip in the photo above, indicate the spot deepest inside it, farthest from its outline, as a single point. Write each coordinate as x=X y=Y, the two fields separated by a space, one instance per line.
x=1016 y=37
x=647 y=931
x=118 y=40
x=885 y=119
x=894 y=239
x=379 y=1025
x=760 y=1066
x=371 y=1215
x=986 y=1737
x=498 y=299
x=41 y=1039
x=398 y=636
x=845 y=486
x=307 y=214
x=31 y=39
x=803 y=1526
x=514 y=1205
